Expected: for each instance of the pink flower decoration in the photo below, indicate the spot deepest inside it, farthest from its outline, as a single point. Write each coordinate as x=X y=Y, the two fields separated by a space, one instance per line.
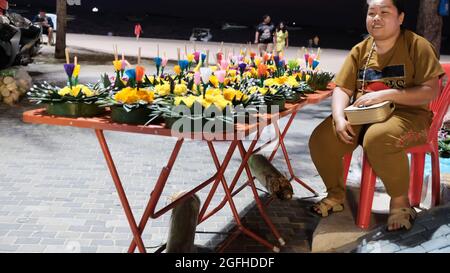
x=220 y=75
x=164 y=62
x=224 y=65
x=197 y=78
x=196 y=56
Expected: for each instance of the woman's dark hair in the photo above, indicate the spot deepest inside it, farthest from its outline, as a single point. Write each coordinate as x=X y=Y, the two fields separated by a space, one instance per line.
x=399 y=4
x=284 y=29
x=265 y=16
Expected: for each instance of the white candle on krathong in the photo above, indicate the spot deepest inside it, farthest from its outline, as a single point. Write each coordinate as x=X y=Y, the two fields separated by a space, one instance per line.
x=116 y=53
x=67 y=56
x=178 y=54
x=157 y=50
x=139 y=56
x=75 y=60
x=185 y=50
x=221 y=47
x=195 y=47
x=207 y=57
x=318 y=54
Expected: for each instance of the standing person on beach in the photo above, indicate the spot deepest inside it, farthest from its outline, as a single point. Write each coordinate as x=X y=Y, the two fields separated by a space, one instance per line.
x=264 y=36
x=282 y=38
x=138 y=31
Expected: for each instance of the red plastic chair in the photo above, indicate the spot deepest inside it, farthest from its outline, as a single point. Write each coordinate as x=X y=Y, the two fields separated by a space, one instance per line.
x=368 y=178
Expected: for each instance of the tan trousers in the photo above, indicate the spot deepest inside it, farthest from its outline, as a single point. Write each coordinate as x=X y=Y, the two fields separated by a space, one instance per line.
x=384 y=144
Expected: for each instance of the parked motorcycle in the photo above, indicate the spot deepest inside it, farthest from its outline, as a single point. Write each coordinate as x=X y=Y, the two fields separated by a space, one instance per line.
x=19 y=40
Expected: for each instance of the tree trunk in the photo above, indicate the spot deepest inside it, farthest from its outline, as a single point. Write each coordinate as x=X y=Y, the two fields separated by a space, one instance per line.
x=183 y=224
x=429 y=22
x=61 y=12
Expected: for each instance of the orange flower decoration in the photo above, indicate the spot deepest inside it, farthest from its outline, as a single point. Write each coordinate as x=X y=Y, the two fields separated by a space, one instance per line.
x=262 y=70
x=139 y=73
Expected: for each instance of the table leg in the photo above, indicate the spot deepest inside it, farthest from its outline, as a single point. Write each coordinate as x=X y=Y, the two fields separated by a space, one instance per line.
x=281 y=137
x=156 y=193
x=231 y=202
x=137 y=239
x=256 y=195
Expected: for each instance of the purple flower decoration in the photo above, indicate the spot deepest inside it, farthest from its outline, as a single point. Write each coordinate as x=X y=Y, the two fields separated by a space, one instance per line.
x=276 y=59
x=242 y=67
x=69 y=69
x=306 y=59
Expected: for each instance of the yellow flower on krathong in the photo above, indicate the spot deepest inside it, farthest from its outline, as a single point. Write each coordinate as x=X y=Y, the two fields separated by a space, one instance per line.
x=281 y=80
x=241 y=96
x=214 y=81
x=229 y=94
x=213 y=68
x=65 y=91
x=177 y=100
x=131 y=95
x=162 y=89
x=221 y=103
x=291 y=81
x=269 y=82
x=271 y=68
x=190 y=58
x=209 y=98
x=204 y=102
x=213 y=92
x=180 y=89
x=232 y=72
x=307 y=77
x=253 y=89
x=247 y=74
x=76 y=71
x=117 y=65
x=177 y=69
x=263 y=90
x=75 y=90
x=188 y=101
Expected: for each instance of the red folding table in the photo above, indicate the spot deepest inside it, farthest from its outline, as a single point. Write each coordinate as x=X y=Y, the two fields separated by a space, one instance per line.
x=234 y=140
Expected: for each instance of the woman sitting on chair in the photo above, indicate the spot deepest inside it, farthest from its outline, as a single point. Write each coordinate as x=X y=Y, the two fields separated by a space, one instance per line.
x=401 y=67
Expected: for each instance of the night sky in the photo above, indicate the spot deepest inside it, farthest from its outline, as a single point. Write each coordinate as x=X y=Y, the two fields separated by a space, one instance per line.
x=339 y=13
x=340 y=22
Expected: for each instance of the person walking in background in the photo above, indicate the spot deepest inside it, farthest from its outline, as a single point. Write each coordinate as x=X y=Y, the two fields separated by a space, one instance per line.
x=46 y=24
x=138 y=31
x=282 y=38
x=264 y=36
x=3 y=7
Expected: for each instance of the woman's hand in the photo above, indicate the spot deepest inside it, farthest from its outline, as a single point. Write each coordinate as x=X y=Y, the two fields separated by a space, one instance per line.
x=372 y=98
x=344 y=130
